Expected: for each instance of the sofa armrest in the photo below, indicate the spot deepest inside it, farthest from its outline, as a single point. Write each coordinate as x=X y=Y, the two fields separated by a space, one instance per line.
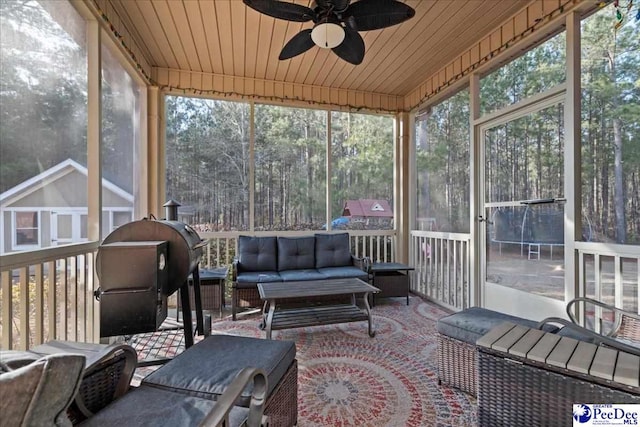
x=362 y=263
x=220 y=413
x=235 y=265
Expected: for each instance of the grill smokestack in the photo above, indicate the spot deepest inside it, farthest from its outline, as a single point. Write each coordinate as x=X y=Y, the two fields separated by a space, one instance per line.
x=171 y=210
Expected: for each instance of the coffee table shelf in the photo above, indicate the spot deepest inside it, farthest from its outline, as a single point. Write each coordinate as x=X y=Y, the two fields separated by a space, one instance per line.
x=278 y=314
x=314 y=316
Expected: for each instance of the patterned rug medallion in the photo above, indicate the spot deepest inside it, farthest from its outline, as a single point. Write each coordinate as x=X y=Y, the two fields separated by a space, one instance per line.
x=347 y=378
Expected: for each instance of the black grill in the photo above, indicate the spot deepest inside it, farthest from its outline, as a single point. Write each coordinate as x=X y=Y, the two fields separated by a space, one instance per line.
x=139 y=265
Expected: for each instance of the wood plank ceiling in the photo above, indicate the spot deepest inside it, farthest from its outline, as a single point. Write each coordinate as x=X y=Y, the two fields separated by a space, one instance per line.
x=225 y=37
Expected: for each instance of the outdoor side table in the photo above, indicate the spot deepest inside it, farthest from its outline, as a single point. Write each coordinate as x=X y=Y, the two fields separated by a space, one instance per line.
x=212 y=287
x=392 y=278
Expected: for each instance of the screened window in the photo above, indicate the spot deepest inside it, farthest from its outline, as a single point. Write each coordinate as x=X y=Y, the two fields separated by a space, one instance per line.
x=611 y=127
x=290 y=168
x=534 y=72
x=43 y=93
x=121 y=218
x=362 y=171
x=524 y=157
x=120 y=132
x=442 y=165
x=207 y=162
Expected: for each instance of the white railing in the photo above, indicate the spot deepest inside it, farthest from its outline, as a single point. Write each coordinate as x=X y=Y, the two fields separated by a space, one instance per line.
x=48 y=294
x=606 y=272
x=222 y=247
x=610 y=273
x=442 y=268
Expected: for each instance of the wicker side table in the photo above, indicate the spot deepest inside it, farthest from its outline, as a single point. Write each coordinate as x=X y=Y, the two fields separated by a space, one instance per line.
x=392 y=278
x=212 y=287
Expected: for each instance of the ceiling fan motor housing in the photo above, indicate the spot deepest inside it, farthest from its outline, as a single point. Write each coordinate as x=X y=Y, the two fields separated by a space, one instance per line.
x=336 y=23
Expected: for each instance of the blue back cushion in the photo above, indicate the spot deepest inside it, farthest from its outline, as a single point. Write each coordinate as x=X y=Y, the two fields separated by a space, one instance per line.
x=332 y=250
x=295 y=253
x=257 y=253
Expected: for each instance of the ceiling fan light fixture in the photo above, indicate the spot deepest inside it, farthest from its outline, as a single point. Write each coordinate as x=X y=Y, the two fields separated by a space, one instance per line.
x=327 y=35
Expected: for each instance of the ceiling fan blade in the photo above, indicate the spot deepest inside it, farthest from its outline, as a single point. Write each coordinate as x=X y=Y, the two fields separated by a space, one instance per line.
x=352 y=48
x=375 y=14
x=338 y=5
x=282 y=10
x=298 y=44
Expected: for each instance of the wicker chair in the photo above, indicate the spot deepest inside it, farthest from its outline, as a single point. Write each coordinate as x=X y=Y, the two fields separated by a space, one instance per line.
x=613 y=327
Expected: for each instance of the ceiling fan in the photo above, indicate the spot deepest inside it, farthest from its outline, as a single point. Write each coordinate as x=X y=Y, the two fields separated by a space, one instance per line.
x=336 y=23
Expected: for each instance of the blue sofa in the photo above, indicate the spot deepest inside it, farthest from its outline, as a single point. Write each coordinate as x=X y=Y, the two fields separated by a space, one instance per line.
x=289 y=259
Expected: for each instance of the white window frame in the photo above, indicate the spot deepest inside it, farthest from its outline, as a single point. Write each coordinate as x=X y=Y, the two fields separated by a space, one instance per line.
x=14 y=229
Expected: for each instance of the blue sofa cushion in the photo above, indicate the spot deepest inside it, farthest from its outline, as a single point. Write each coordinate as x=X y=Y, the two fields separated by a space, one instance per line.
x=257 y=253
x=332 y=250
x=250 y=278
x=470 y=324
x=301 y=275
x=343 y=273
x=207 y=368
x=296 y=253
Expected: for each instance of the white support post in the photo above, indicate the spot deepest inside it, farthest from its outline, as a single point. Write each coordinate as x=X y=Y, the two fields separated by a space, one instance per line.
x=94 y=132
x=572 y=159
x=476 y=296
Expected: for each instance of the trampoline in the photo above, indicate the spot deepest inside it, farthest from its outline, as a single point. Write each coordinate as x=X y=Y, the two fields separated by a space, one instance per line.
x=534 y=224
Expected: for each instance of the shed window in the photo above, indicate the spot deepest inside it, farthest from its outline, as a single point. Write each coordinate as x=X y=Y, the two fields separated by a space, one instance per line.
x=26 y=228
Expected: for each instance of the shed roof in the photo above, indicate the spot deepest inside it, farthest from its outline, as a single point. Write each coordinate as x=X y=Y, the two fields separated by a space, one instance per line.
x=368 y=208
x=51 y=175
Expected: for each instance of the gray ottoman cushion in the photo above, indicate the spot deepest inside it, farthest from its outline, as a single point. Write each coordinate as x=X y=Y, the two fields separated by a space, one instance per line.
x=470 y=324
x=208 y=367
x=151 y=406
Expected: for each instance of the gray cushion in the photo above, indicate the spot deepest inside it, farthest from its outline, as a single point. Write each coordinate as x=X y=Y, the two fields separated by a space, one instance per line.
x=332 y=250
x=14 y=359
x=253 y=277
x=39 y=393
x=152 y=406
x=343 y=273
x=208 y=367
x=257 y=253
x=296 y=253
x=470 y=324
x=301 y=275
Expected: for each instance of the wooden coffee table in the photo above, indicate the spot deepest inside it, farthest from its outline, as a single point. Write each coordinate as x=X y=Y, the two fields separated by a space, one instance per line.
x=278 y=315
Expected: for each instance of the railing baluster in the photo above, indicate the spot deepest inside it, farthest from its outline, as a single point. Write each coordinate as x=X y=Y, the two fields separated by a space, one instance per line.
x=73 y=278
x=617 y=281
x=52 y=299
x=7 y=309
x=64 y=297
x=39 y=304
x=23 y=307
x=92 y=304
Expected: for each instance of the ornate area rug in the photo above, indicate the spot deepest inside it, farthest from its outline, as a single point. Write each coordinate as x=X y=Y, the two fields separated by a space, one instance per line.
x=346 y=378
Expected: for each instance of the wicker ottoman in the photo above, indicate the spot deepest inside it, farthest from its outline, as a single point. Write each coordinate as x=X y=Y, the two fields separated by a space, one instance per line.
x=208 y=367
x=529 y=377
x=457 y=335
